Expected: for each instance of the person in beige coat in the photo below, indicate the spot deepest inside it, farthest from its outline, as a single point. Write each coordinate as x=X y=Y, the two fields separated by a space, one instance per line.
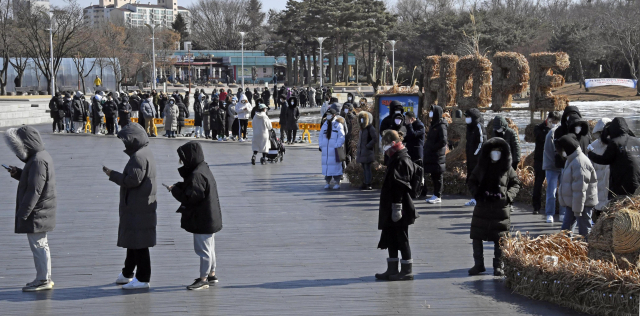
x=578 y=189
x=261 y=125
x=171 y=113
x=602 y=171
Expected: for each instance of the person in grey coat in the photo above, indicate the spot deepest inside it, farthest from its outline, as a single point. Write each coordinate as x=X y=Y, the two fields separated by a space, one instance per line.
x=137 y=229
x=366 y=145
x=35 y=201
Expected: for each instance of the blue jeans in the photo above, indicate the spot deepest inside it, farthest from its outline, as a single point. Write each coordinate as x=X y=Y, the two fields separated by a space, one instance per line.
x=68 y=124
x=584 y=221
x=552 y=187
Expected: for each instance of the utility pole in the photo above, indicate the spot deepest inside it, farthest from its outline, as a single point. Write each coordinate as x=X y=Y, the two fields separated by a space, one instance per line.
x=320 y=40
x=242 y=66
x=393 y=61
x=51 y=69
x=153 y=53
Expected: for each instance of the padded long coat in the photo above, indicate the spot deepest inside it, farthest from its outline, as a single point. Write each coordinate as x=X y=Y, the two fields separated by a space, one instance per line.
x=36 y=197
x=137 y=183
x=261 y=125
x=368 y=138
x=331 y=167
x=171 y=113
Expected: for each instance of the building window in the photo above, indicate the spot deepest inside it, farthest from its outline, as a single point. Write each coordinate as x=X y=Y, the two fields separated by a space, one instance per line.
x=264 y=70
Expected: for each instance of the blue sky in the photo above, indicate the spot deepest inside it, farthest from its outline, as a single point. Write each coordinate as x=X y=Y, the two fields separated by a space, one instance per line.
x=266 y=4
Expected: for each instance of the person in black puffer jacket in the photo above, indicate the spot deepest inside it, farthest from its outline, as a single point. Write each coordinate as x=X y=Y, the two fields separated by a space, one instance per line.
x=200 y=209
x=623 y=157
x=494 y=184
x=540 y=132
x=501 y=129
x=291 y=116
x=435 y=148
x=67 y=107
x=349 y=116
x=396 y=211
x=55 y=104
x=110 y=110
x=182 y=114
x=395 y=107
x=124 y=112
x=570 y=116
x=217 y=116
x=79 y=112
x=476 y=137
x=414 y=139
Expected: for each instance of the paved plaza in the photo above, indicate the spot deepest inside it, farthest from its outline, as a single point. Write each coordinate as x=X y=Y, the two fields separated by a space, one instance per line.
x=288 y=247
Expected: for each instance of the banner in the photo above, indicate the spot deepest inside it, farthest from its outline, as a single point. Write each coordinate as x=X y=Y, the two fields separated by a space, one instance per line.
x=629 y=83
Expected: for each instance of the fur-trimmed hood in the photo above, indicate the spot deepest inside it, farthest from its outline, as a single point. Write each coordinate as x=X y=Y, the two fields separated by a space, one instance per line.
x=475 y=115
x=574 y=121
x=364 y=119
x=293 y=101
x=24 y=142
x=485 y=155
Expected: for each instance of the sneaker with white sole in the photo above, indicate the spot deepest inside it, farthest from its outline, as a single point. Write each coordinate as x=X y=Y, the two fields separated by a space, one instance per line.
x=212 y=279
x=549 y=218
x=471 y=203
x=434 y=201
x=561 y=218
x=135 y=285
x=40 y=285
x=198 y=285
x=122 y=279
x=336 y=187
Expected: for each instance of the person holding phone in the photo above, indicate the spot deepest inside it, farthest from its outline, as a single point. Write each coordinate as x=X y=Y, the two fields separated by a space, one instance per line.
x=138 y=219
x=36 y=199
x=200 y=209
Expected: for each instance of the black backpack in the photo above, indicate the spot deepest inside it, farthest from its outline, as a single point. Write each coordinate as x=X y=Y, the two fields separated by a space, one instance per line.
x=417 y=181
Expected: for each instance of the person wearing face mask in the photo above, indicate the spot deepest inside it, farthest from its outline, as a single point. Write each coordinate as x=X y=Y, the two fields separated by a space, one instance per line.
x=200 y=209
x=494 y=184
x=206 y=120
x=243 y=108
x=171 y=113
x=435 y=148
x=349 y=116
x=552 y=174
x=197 y=115
x=476 y=137
x=501 y=129
x=318 y=97
x=602 y=171
x=540 y=132
x=622 y=155
x=110 y=110
x=291 y=119
x=570 y=115
x=96 y=113
x=332 y=136
x=232 y=119
x=124 y=112
x=578 y=188
x=396 y=211
x=414 y=139
x=391 y=121
x=351 y=99
x=366 y=146
x=138 y=219
x=261 y=125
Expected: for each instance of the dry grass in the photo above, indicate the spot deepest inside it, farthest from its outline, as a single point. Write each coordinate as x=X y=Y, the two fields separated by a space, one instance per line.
x=510 y=76
x=543 y=80
x=431 y=71
x=473 y=84
x=447 y=87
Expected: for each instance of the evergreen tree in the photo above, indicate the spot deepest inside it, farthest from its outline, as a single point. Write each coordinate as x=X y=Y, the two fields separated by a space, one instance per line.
x=180 y=26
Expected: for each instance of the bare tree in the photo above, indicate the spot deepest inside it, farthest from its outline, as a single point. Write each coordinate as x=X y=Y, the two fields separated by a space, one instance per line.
x=6 y=34
x=622 y=32
x=216 y=23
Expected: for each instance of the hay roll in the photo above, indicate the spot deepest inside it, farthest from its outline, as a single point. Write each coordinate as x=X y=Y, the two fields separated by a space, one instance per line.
x=510 y=76
x=543 y=80
x=626 y=232
x=447 y=88
x=431 y=71
x=473 y=84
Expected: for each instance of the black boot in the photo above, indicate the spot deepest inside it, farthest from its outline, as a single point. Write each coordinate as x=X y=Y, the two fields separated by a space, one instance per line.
x=478 y=265
x=392 y=268
x=253 y=159
x=498 y=267
x=406 y=271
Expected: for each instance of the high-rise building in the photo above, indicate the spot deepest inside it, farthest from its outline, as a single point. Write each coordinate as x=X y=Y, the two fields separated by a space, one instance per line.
x=135 y=14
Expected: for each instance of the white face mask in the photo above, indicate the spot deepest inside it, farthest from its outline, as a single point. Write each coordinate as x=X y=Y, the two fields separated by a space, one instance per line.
x=386 y=147
x=362 y=120
x=329 y=116
x=430 y=113
x=349 y=98
x=399 y=112
x=468 y=120
x=495 y=155
x=500 y=130
x=398 y=121
x=564 y=154
x=578 y=129
x=346 y=111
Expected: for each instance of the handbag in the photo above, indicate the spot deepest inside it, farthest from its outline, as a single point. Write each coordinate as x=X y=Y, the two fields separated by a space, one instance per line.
x=341 y=154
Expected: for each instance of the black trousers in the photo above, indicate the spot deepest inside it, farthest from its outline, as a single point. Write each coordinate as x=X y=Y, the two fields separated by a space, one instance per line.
x=437 y=179
x=111 y=125
x=138 y=258
x=95 y=124
x=243 y=127
x=478 y=249
x=235 y=128
x=57 y=122
x=291 y=135
x=396 y=239
x=537 y=186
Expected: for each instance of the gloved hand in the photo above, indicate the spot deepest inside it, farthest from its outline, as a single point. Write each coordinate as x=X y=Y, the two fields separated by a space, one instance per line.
x=396 y=212
x=319 y=149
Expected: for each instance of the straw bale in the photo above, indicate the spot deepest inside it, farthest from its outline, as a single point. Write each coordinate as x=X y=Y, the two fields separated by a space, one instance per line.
x=473 y=82
x=447 y=88
x=529 y=136
x=626 y=232
x=510 y=76
x=542 y=80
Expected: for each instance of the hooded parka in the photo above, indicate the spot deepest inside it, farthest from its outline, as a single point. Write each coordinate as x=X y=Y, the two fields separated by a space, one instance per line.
x=578 y=186
x=332 y=136
x=368 y=138
x=571 y=117
x=36 y=196
x=476 y=137
x=198 y=193
x=395 y=189
x=602 y=171
x=388 y=122
x=491 y=215
x=171 y=113
x=292 y=114
x=183 y=112
x=414 y=140
x=510 y=136
x=435 y=146
x=261 y=125
x=137 y=183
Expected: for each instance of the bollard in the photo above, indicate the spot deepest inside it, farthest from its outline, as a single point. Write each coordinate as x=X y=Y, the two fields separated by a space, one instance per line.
x=87 y=126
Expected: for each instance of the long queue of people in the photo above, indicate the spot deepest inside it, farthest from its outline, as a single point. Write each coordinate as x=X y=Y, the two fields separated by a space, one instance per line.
x=583 y=169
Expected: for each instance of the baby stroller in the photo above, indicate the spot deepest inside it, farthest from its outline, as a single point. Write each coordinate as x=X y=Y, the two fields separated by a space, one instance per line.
x=276 y=151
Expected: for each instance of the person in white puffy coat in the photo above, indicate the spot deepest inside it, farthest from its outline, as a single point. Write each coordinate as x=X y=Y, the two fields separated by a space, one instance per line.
x=602 y=171
x=332 y=136
x=243 y=108
x=261 y=125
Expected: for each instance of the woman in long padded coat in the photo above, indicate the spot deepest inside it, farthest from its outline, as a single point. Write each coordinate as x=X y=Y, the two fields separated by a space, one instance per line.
x=291 y=119
x=197 y=116
x=332 y=136
x=494 y=184
x=206 y=115
x=182 y=114
x=435 y=148
x=138 y=219
x=366 y=144
x=261 y=125
x=171 y=113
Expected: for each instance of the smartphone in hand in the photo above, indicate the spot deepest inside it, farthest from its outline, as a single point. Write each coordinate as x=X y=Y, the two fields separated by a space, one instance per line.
x=6 y=167
x=166 y=186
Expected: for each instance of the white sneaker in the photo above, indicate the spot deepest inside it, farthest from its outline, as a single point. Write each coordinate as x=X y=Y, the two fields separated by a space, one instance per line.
x=434 y=201
x=471 y=203
x=241 y=140
x=336 y=187
x=122 y=280
x=561 y=218
x=135 y=284
x=549 y=218
x=327 y=186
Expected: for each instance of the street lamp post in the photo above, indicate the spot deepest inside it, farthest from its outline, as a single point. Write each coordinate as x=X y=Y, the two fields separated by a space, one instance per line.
x=242 y=66
x=393 y=61
x=153 y=53
x=51 y=70
x=320 y=40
